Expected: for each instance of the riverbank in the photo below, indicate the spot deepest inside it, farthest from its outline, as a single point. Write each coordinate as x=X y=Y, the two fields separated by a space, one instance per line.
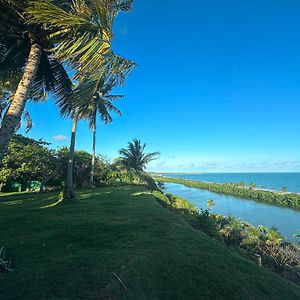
x=257 y=213
x=291 y=200
x=120 y=243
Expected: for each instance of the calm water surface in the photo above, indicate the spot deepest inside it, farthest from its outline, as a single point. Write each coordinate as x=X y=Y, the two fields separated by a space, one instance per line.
x=285 y=219
x=273 y=181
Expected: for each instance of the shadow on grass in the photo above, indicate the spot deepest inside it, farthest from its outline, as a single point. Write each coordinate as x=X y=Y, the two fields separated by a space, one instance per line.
x=37 y=201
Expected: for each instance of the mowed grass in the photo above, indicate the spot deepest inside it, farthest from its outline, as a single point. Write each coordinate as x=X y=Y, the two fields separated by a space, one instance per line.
x=77 y=251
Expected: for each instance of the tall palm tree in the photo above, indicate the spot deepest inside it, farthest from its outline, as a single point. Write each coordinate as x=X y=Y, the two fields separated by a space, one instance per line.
x=38 y=36
x=24 y=62
x=100 y=104
x=134 y=156
x=91 y=98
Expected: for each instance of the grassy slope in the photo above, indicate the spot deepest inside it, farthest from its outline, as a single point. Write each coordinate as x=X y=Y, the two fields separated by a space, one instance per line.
x=70 y=251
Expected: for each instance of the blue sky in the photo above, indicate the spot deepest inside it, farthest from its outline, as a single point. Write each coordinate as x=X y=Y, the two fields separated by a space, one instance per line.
x=217 y=87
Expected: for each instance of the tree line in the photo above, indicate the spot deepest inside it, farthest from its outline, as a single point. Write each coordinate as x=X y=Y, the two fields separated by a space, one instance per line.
x=31 y=164
x=283 y=198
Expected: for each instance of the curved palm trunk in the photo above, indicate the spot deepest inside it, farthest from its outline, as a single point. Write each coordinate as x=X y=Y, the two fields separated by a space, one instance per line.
x=13 y=115
x=93 y=155
x=70 y=168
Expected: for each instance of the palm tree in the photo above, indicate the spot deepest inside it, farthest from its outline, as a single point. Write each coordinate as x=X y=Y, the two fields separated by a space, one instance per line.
x=38 y=36
x=101 y=105
x=98 y=102
x=25 y=62
x=134 y=157
x=90 y=98
x=7 y=91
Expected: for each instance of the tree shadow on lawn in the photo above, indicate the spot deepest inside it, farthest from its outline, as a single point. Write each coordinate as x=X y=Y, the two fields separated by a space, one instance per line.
x=33 y=199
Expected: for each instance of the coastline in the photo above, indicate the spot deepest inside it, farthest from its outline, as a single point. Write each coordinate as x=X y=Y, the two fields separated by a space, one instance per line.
x=287 y=182
x=286 y=199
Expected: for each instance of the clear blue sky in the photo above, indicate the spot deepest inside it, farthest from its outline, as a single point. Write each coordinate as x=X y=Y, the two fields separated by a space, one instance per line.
x=217 y=88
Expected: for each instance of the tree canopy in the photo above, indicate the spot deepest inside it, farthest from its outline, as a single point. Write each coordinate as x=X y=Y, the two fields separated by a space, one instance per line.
x=134 y=156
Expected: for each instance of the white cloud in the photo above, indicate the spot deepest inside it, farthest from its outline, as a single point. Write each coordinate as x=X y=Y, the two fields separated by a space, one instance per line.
x=198 y=165
x=60 y=138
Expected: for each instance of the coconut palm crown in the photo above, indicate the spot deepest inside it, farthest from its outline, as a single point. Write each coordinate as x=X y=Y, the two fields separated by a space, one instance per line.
x=134 y=156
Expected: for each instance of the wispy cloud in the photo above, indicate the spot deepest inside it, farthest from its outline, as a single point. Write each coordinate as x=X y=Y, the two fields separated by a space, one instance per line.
x=60 y=138
x=123 y=30
x=189 y=164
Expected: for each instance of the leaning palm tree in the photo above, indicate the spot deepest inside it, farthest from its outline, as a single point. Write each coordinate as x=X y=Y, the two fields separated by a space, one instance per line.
x=37 y=37
x=24 y=62
x=7 y=91
x=134 y=156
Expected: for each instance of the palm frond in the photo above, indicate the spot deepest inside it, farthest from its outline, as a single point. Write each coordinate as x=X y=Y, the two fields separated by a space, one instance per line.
x=122 y=5
x=82 y=38
x=134 y=157
x=28 y=120
x=54 y=17
x=113 y=97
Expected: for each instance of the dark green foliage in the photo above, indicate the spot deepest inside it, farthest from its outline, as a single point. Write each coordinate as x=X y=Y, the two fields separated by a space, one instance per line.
x=67 y=251
x=30 y=164
x=286 y=199
x=16 y=38
x=134 y=156
x=27 y=160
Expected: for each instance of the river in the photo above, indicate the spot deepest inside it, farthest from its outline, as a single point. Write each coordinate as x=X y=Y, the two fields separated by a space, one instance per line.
x=272 y=181
x=286 y=220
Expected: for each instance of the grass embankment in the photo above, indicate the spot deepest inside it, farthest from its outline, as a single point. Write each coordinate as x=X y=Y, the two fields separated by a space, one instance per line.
x=75 y=251
x=282 y=199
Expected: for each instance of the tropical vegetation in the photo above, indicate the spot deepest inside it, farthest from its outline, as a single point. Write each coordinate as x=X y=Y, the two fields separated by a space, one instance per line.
x=134 y=157
x=240 y=190
x=38 y=41
x=32 y=165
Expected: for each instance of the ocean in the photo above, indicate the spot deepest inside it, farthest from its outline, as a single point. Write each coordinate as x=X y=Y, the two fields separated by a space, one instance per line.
x=271 y=181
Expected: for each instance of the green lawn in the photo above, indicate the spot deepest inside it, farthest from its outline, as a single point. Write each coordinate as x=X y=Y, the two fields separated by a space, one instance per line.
x=70 y=251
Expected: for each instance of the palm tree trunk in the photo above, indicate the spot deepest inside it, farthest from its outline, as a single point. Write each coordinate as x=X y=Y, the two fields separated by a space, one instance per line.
x=13 y=114
x=93 y=155
x=70 y=168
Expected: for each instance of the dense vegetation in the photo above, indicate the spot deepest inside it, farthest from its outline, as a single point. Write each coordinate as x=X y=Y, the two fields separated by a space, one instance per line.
x=286 y=199
x=76 y=251
x=278 y=255
x=63 y=47
x=31 y=165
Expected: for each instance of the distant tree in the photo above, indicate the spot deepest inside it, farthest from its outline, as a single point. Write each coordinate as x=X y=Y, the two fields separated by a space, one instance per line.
x=252 y=186
x=297 y=236
x=134 y=156
x=284 y=189
x=210 y=204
